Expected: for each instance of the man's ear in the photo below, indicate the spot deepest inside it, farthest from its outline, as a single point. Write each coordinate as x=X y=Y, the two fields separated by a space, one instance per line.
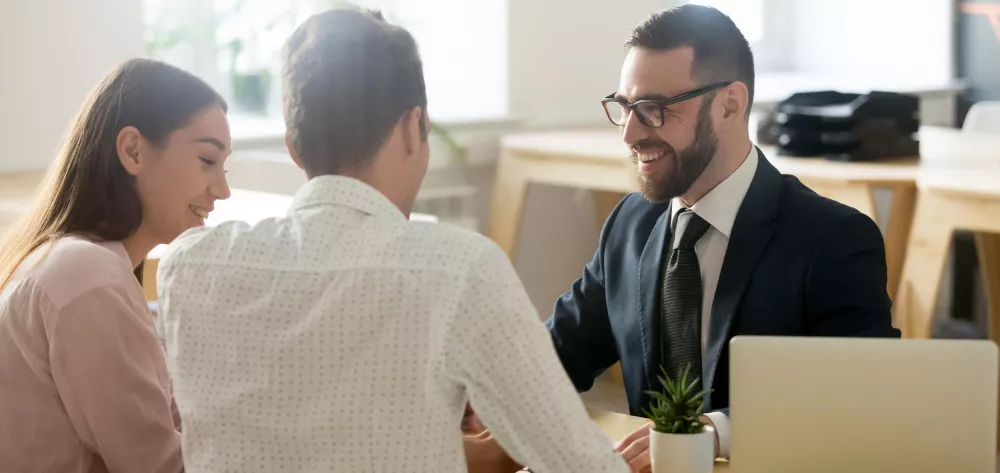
x=291 y=152
x=736 y=100
x=128 y=146
x=413 y=126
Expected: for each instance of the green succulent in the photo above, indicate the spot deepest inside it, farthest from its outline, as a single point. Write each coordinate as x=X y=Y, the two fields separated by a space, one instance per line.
x=677 y=408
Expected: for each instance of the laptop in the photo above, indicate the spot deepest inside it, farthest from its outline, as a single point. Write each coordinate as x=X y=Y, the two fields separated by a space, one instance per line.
x=838 y=405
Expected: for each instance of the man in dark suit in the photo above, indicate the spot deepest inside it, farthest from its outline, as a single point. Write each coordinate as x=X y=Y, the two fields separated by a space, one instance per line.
x=717 y=243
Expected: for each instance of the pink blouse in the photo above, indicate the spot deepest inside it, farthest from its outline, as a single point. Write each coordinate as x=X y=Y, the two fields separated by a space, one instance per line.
x=83 y=380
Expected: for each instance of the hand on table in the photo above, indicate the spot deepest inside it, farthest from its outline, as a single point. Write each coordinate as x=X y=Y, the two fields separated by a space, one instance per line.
x=470 y=422
x=482 y=452
x=634 y=448
x=484 y=455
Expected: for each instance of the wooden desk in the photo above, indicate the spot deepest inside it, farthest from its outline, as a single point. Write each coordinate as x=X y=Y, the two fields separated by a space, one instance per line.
x=949 y=200
x=598 y=161
x=616 y=426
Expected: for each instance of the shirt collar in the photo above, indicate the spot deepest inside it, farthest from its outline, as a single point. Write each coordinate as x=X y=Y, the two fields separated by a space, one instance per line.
x=345 y=191
x=720 y=206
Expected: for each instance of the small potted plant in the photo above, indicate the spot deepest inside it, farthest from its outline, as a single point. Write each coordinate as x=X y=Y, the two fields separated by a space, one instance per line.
x=679 y=442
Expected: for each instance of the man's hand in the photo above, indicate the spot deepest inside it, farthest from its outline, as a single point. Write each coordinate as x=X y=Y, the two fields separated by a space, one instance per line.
x=471 y=425
x=484 y=455
x=634 y=448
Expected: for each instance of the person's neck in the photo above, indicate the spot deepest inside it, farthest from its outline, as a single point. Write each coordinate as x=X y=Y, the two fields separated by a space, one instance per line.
x=138 y=245
x=728 y=158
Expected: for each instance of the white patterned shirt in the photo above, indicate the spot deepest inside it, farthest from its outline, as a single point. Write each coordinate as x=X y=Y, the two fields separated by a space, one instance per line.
x=344 y=337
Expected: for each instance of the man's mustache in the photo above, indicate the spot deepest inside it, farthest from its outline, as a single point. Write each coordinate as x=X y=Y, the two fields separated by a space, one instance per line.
x=649 y=143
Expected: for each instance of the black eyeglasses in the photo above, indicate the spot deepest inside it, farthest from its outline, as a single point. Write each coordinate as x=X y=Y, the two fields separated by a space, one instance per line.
x=650 y=111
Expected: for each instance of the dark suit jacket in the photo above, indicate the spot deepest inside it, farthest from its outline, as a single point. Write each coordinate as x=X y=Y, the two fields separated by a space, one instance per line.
x=797 y=264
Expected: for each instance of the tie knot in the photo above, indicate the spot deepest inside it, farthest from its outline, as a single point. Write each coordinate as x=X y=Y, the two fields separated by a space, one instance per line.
x=689 y=229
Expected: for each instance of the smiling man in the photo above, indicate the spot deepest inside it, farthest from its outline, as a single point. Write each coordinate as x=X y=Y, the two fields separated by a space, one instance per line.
x=717 y=243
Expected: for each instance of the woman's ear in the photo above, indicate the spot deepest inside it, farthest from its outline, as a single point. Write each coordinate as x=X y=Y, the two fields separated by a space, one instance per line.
x=127 y=145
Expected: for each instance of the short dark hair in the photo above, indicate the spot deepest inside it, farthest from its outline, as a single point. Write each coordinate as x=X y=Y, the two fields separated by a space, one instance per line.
x=721 y=52
x=348 y=76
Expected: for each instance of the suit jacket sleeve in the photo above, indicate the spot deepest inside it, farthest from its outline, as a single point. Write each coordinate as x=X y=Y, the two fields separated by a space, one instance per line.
x=579 y=325
x=846 y=282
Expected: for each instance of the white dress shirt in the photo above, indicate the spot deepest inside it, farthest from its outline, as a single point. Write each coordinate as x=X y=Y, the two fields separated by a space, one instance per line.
x=719 y=208
x=344 y=337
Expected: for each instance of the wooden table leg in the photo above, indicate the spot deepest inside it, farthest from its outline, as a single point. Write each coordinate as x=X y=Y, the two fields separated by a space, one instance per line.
x=988 y=250
x=897 y=232
x=926 y=256
x=507 y=208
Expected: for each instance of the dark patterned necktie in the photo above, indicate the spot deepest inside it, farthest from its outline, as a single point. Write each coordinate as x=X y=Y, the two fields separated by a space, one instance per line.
x=680 y=298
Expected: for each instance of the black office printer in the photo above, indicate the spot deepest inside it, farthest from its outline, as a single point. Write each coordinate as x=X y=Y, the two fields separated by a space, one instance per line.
x=846 y=127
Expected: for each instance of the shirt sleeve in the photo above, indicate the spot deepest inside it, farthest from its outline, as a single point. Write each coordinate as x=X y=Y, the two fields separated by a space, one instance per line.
x=110 y=372
x=720 y=421
x=498 y=349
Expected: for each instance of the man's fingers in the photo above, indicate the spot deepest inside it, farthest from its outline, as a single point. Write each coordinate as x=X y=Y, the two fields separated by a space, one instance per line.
x=639 y=448
x=641 y=463
x=642 y=432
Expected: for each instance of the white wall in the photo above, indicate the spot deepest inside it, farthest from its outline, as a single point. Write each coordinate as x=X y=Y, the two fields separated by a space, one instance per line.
x=52 y=52
x=887 y=41
x=565 y=55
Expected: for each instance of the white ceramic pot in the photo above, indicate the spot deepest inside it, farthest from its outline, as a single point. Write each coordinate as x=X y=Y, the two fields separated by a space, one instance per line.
x=682 y=453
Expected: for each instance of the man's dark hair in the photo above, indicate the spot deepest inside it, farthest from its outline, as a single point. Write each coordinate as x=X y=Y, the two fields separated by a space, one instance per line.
x=348 y=76
x=721 y=52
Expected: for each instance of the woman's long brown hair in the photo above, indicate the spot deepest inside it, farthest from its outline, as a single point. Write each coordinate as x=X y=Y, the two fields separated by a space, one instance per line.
x=86 y=191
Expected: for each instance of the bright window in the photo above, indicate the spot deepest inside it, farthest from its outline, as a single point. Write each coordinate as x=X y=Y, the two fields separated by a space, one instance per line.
x=747 y=14
x=235 y=45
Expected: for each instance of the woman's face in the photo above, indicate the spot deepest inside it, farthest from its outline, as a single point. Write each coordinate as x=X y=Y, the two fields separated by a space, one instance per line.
x=179 y=182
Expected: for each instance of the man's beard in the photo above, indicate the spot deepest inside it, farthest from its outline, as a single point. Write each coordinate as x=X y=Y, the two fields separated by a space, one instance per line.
x=687 y=165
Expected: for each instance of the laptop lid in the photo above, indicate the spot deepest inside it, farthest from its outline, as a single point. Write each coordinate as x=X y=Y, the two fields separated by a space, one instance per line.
x=805 y=404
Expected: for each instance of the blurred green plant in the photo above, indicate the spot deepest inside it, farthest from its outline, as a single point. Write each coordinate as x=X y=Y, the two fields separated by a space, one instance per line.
x=455 y=150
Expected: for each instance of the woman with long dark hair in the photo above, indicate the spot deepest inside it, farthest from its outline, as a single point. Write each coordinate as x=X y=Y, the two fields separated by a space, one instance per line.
x=83 y=379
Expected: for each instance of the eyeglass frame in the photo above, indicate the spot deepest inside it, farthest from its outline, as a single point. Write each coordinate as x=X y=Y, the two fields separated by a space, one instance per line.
x=663 y=103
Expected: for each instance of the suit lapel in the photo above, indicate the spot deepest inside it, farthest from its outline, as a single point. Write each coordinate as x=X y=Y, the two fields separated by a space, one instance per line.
x=650 y=268
x=751 y=232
